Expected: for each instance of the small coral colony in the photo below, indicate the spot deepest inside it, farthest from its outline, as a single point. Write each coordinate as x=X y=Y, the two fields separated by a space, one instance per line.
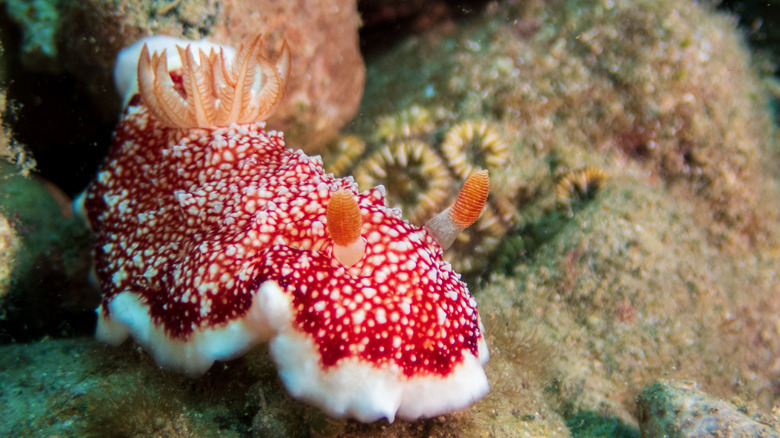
x=212 y=236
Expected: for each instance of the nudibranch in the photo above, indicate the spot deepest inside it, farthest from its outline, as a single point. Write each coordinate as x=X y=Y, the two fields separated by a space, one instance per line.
x=212 y=236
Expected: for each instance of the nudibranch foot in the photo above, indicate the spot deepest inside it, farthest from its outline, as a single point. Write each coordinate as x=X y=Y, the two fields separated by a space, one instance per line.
x=357 y=389
x=211 y=239
x=193 y=356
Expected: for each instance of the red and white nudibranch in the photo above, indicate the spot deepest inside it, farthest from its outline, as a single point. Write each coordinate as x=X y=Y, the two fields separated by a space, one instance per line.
x=212 y=236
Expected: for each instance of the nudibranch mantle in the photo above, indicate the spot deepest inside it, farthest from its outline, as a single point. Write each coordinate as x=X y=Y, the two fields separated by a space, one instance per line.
x=212 y=239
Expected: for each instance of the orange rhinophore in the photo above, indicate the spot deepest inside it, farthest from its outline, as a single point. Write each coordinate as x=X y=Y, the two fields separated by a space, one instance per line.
x=471 y=200
x=344 y=221
x=446 y=225
x=344 y=225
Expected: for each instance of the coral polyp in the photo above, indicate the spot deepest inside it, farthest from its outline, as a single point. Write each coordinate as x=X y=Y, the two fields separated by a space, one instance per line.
x=419 y=182
x=474 y=144
x=579 y=185
x=410 y=122
x=341 y=155
x=418 y=153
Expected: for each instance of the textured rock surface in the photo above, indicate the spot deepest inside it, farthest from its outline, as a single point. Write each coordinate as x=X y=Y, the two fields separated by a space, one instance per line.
x=9 y=245
x=679 y=409
x=44 y=255
x=47 y=288
x=10 y=150
x=76 y=387
x=675 y=93
x=669 y=269
x=631 y=289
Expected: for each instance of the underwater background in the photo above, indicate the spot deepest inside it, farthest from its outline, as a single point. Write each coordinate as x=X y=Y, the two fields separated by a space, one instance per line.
x=625 y=265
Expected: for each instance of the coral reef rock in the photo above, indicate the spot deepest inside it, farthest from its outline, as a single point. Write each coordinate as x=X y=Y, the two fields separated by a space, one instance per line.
x=47 y=293
x=680 y=410
x=553 y=89
x=9 y=244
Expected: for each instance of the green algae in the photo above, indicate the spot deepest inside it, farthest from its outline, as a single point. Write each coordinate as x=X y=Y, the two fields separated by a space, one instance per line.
x=588 y=424
x=52 y=267
x=39 y=21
